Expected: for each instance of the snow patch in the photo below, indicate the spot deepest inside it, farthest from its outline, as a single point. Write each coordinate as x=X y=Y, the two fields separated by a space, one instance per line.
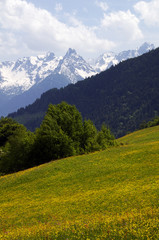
x=14 y=79
x=85 y=74
x=33 y=60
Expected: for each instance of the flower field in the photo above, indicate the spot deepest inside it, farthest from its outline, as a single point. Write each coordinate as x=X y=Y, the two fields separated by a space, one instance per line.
x=112 y=194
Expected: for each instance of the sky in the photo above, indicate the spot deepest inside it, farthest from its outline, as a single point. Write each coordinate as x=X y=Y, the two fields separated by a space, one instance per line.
x=91 y=27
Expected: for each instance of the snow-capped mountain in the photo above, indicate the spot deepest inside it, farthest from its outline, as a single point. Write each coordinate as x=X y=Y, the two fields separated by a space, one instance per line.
x=17 y=77
x=74 y=67
x=24 y=80
x=106 y=60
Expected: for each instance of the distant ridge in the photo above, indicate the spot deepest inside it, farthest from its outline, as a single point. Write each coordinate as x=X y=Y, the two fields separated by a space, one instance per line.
x=122 y=97
x=108 y=59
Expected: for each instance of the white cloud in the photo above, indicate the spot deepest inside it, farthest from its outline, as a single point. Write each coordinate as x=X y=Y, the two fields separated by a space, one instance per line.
x=7 y=42
x=149 y=11
x=122 y=25
x=58 y=7
x=36 y=30
x=102 y=5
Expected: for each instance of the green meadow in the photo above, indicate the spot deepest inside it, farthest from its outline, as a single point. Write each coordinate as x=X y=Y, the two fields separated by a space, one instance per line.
x=112 y=194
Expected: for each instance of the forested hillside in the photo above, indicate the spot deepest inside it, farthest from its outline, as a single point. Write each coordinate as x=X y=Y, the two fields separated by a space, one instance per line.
x=123 y=96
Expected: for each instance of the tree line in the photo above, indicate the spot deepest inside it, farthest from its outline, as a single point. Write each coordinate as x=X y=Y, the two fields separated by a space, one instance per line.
x=152 y=123
x=62 y=133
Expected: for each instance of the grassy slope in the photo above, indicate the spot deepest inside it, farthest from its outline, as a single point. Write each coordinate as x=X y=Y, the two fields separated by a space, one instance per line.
x=112 y=194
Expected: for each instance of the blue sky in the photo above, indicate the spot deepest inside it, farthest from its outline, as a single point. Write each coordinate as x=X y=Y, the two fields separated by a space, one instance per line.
x=92 y=27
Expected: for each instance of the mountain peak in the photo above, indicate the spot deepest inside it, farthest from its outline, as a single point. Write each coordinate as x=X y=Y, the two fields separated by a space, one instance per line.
x=145 y=47
x=50 y=56
x=70 y=52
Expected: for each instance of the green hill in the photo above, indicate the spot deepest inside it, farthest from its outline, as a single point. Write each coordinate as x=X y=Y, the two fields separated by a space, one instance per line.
x=113 y=194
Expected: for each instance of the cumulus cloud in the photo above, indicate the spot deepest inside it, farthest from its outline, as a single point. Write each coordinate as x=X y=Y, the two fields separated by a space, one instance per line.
x=102 y=5
x=35 y=29
x=7 y=41
x=149 y=12
x=123 y=25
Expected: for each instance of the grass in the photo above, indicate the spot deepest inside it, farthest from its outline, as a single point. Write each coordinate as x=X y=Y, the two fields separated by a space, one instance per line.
x=113 y=194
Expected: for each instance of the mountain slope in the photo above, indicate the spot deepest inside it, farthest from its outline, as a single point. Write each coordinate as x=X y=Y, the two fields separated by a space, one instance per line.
x=28 y=97
x=122 y=97
x=105 y=195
